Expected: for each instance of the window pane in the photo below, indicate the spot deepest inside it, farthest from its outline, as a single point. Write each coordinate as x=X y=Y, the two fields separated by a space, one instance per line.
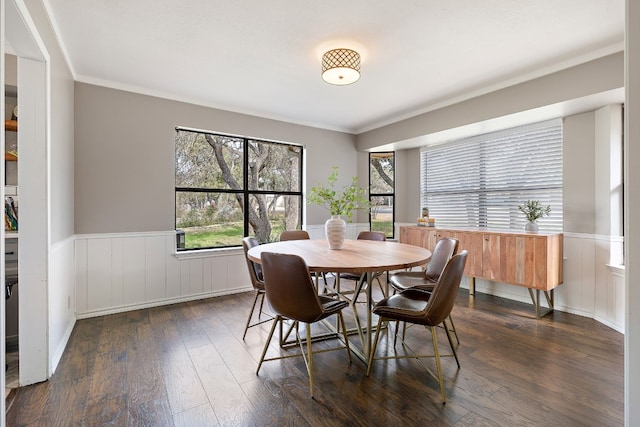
x=274 y=167
x=210 y=219
x=198 y=165
x=213 y=182
x=381 y=173
x=382 y=214
x=282 y=213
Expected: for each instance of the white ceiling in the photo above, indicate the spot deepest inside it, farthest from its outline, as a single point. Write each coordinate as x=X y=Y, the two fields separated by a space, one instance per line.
x=263 y=57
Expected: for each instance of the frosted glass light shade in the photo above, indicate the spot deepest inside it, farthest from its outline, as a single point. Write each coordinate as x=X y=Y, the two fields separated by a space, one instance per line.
x=341 y=66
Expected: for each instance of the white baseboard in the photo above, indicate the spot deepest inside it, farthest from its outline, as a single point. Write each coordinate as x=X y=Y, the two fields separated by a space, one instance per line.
x=59 y=351
x=158 y=303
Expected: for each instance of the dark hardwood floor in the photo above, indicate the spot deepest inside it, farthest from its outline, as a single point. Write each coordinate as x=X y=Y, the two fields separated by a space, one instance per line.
x=187 y=365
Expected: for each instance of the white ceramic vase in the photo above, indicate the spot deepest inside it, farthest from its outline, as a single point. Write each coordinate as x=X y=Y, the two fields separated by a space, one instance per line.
x=334 y=229
x=531 y=227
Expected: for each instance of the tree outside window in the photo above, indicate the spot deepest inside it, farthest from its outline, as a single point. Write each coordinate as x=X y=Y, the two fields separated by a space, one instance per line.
x=382 y=192
x=229 y=187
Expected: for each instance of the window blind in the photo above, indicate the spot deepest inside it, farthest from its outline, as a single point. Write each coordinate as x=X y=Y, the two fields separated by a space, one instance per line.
x=481 y=180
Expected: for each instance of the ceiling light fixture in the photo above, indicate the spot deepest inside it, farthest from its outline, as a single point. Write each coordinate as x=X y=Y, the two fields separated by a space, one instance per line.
x=341 y=66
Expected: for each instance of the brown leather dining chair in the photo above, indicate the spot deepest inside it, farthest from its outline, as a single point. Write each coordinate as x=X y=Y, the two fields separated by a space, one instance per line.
x=420 y=307
x=444 y=249
x=300 y=235
x=361 y=279
x=294 y=235
x=255 y=273
x=292 y=296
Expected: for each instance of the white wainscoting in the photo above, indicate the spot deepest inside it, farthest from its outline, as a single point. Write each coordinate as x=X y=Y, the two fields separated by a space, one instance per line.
x=128 y=271
x=593 y=279
x=62 y=313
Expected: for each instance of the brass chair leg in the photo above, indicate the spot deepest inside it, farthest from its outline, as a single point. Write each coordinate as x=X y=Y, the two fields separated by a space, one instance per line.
x=253 y=307
x=434 y=338
x=453 y=328
x=285 y=336
x=395 y=334
x=310 y=357
x=261 y=305
x=266 y=345
x=404 y=332
x=453 y=348
x=374 y=346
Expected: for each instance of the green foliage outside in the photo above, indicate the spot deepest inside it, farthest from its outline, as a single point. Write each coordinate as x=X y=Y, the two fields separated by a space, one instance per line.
x=385 y=226
x=227 y=234
x=210 y=173
x=205 y=237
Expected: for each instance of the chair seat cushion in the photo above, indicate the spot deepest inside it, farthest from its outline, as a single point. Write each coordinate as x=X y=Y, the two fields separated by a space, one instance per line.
x=350 y=276
x=332 y=305
x=407 y=306
x=409 y=279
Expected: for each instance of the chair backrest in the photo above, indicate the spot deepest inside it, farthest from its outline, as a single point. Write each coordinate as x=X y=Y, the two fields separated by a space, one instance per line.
x=443 y=251
x=372 y=235
x=289 y=288
x=445 y=291
x=255 y=270
x=294 y=235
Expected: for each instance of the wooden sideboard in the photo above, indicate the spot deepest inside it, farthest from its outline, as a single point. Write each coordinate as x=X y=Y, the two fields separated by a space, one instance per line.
x=533 y=261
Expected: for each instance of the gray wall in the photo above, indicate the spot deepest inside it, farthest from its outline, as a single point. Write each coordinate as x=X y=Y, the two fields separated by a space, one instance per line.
x=10 y=70
x=124 y=154
x=598 y=76
x=578 y=173
x=407 y=185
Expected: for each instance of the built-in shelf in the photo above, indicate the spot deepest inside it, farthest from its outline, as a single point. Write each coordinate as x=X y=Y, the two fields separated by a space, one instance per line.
x=11 y=125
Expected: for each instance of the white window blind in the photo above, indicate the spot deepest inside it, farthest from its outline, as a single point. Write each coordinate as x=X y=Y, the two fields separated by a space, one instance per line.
x=480 y=181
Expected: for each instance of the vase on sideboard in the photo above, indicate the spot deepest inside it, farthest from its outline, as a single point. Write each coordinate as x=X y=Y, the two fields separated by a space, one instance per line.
x=531 y=227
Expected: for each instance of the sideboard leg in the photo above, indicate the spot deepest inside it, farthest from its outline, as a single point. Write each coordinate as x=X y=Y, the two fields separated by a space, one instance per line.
x=535 y=298
x=472 y=285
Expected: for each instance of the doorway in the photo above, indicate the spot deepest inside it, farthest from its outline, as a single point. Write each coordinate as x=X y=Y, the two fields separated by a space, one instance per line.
x=21 y=35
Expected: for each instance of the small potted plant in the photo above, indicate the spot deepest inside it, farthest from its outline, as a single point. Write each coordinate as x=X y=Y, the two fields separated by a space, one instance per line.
x=533 y=210
x=339 y=203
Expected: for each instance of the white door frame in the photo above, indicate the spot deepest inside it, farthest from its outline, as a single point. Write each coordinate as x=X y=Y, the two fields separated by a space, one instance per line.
x=33 y=183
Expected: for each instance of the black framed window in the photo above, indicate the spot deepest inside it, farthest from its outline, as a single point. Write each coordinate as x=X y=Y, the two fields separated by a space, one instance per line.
x=228 y=187
x=480 y=181
x=382 y=192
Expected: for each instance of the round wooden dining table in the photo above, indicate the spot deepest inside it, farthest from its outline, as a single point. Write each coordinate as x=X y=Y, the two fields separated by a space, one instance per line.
x=356 y=256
